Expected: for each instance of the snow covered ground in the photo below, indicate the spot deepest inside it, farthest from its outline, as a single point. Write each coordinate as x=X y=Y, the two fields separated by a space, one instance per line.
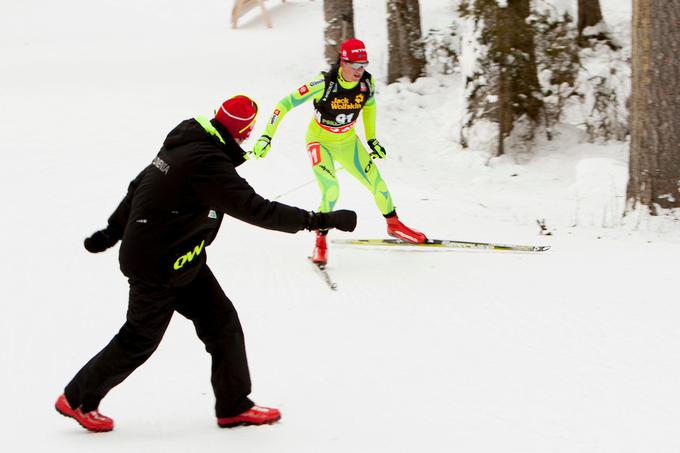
x=572 y=350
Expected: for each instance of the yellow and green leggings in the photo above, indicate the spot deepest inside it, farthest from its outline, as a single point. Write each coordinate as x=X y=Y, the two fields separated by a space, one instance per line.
x=325 y=148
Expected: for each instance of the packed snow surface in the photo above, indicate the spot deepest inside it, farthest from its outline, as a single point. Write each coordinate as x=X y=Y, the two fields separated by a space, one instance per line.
x=570 y=350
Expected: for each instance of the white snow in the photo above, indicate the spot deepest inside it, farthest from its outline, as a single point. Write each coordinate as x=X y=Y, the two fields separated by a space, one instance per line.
x=571 y=350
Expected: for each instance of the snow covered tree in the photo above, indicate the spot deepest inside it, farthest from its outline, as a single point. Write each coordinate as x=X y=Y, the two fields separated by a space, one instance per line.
x=655 y=106
x=339 y=17
x=583 y=78
x=442 y=49
x=557 y=58
x=503 y=88
x=405 y=43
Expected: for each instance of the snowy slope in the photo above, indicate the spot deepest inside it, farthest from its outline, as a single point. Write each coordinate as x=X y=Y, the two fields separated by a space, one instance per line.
x=572 y=350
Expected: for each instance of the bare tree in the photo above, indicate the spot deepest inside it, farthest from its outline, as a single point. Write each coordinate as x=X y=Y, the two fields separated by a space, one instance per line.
x=339 y=17
x=655 y=106
x=406 y=48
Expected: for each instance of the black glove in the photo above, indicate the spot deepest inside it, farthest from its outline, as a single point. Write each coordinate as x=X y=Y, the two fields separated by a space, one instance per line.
x=101 y=240
x=377 y=150
x=343 y=220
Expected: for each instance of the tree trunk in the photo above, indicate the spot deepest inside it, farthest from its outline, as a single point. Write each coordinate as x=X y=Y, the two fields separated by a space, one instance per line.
x=589 y=14
x=406 y=49
x=505 y=110
x=339 y=17
x=655 y=106
x=518 y=76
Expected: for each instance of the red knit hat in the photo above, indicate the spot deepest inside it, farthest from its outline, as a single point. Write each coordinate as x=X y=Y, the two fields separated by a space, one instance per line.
x=353 y=50
x=238 y=114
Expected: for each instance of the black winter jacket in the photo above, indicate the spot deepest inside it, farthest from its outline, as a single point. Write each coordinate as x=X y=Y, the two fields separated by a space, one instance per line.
x=174 y=207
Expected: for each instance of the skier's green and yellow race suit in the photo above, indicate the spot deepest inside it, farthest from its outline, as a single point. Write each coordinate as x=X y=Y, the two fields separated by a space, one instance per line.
x=331 y=136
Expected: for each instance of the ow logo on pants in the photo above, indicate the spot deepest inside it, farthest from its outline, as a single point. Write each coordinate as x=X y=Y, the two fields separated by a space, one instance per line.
x=189 y=256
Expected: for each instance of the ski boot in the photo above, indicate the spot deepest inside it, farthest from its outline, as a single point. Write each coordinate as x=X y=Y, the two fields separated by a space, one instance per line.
x=398 y=230
x=320 y=255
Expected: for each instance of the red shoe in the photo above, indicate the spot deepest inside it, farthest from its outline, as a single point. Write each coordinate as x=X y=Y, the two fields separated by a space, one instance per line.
x=320 y=255
x=91 y=421
x=256 y=415
x=398 y=230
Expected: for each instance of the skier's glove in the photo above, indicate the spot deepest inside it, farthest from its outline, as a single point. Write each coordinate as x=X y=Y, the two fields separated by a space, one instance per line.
x=101 y=240
x=343 y=220
x=377 y=150
x=262 y=146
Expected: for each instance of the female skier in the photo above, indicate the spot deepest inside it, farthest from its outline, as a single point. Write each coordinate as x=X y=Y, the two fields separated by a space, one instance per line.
x=339 y=95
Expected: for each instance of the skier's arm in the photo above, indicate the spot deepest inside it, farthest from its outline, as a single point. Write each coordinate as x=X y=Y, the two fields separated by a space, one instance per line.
x=369 y=113
x=313 y=89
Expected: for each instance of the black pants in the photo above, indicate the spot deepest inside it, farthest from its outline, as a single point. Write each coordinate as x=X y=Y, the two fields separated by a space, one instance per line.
x=149 y=312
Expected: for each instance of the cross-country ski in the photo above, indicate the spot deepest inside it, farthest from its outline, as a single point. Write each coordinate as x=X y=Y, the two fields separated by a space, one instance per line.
x=442 y=243
x=323 y=272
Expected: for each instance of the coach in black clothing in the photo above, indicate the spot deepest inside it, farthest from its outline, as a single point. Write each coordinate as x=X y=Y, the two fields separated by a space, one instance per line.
x=172 y=211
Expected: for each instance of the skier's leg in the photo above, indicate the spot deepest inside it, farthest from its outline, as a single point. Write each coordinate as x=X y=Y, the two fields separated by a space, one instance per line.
x=324 y=172
x=150 y=309
x=218 y=326
x=358 y=163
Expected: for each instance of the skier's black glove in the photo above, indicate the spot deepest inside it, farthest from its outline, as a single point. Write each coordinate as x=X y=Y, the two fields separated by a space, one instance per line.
x=377 y=150
x=343 y=220
x=101 y=240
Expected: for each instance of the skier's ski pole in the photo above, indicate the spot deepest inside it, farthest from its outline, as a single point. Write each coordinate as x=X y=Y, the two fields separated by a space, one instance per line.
x=301 y=186
x=250 y=155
